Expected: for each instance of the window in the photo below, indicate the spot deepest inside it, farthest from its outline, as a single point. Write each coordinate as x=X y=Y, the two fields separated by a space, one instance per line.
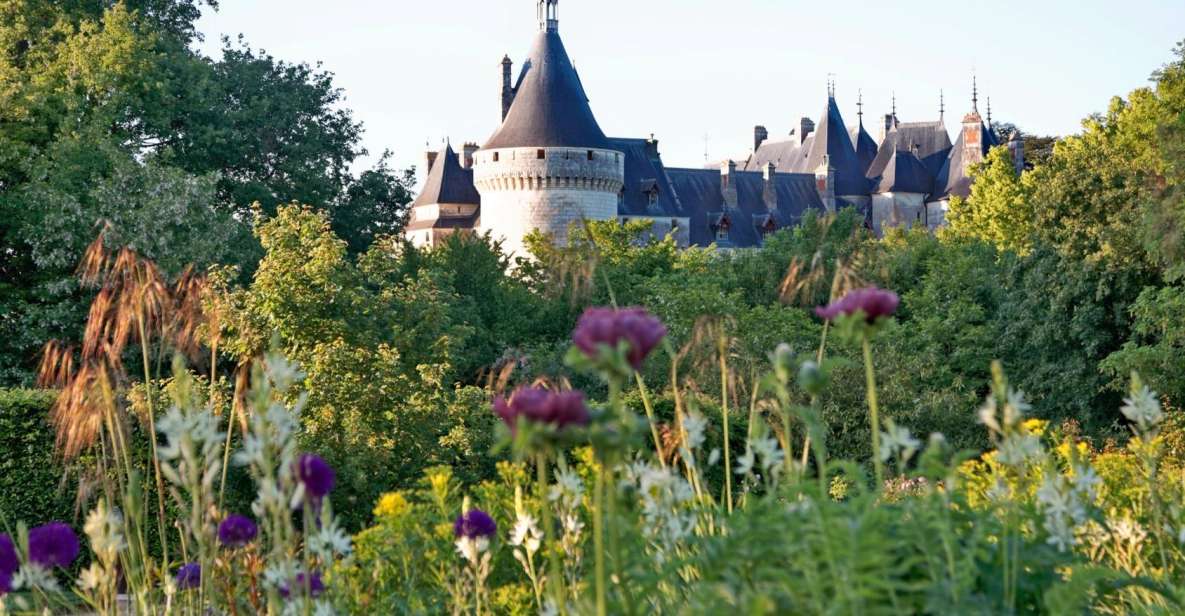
x=495 y=157
x=652 y=196
x=540 y=154
x=722 y=233
x=592 y=155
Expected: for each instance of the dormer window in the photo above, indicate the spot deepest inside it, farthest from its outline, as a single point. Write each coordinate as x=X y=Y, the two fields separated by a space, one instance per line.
x=592 y=155
x=721 y=226
x=540 y=154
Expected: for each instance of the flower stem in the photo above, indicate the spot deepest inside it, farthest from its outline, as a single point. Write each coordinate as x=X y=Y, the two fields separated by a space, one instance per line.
x=553 y=559
x=650 y=418
x=160 y=484
x=599 y=537
x=721 y=343
x=873 y=414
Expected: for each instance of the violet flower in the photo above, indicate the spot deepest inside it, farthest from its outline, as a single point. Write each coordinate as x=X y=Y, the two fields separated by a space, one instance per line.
x=311 y=584
x=9 y=563
x=189 y=576
x=540 y=406
x=53 y=545
x=316 y=475
x=237 y=531
x=475 y=524
x=872 y=302
x=608 y=327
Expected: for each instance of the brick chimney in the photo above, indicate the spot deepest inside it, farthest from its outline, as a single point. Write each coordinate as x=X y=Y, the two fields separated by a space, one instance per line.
x=728 y=187
x=972 y=142
x=507 y=89
x=825 y=184
x=760 y=134
x=1016 y=147
x=429 y=160
x=652 y=147
x=806 y=126
x=770 y=193
x=467 y=152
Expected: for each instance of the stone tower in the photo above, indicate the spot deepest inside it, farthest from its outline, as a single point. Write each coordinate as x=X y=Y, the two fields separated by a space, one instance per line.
x=549 y=165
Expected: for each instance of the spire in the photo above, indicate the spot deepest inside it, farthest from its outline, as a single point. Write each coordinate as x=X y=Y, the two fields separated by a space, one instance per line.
x=549 y=15
x=974 y=93
x=860 y=106
x=941 y=105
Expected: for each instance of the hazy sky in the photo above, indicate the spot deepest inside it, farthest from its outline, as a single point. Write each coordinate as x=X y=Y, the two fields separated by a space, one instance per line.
x=417 y=71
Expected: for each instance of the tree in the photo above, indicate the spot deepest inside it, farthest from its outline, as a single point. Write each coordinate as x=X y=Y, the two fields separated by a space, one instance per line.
x=999 y=210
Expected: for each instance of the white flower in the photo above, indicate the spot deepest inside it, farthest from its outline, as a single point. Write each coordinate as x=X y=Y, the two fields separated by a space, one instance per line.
x=471 y=549
x=695 y=425
x=1143 y=409
x=1016 y=449
x=330 y=541
x=104 y=528
x=91 y=578
x=34 y=577
x=526 y=534
x=896 y=439
x=1087 y=482
x=568 y=489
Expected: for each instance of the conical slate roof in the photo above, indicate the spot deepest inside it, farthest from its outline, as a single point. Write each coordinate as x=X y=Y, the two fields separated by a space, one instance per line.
x=550 y=107
x=448 y=182
x=866 y=148
x=831 y=139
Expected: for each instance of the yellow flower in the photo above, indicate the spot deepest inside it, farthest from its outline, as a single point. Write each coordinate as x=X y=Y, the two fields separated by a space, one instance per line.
x=1035 y=427
x=392 y=505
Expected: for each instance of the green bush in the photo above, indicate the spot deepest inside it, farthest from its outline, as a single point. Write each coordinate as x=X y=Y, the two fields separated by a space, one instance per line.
x=32 y=478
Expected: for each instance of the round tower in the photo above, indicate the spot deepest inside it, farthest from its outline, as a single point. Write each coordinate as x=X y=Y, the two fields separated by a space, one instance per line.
x=549 y=165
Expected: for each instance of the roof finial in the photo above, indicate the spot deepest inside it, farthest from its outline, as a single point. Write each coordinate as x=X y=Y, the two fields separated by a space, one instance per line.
x=974 y=92
x=894 y=104
x=989 y=111
x=549 y=15
x=941 y=105
x=860 y=105
x=830 y=85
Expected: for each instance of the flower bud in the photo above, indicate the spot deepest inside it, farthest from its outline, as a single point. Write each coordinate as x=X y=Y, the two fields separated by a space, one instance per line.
x=783 y=362
x=812 y=379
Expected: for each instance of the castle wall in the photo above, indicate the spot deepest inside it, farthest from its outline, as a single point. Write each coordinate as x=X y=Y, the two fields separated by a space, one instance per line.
x=898 y=210
x=545 y=189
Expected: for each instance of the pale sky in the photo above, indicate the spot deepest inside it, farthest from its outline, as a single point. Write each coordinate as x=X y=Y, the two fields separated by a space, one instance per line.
x=696 y=71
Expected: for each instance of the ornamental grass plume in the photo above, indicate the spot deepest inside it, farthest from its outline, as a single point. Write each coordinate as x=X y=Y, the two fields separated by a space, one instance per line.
x=609 y=327
x=9 y=563
x=237 y=531
x=53 y=545
x=540 y=406
x=316 y=475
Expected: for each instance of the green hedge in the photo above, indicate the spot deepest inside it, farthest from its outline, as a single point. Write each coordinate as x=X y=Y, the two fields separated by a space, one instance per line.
x=31 y=476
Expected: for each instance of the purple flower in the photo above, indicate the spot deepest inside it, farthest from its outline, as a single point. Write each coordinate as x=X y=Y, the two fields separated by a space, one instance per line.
x=53 y=545
x=189 y=576
x=608 y=327
x=475 y=523
x=9 y=563
x=237 y=531
x=874 y=303
x=316 y=475
x=311 y=584
x=541 y=406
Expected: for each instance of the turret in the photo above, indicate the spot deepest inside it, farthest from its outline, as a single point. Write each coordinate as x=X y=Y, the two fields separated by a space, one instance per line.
x=549 y=165
x=1016 y=147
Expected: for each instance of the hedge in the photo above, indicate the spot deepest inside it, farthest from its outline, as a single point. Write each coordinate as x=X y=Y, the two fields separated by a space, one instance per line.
x=31 y=476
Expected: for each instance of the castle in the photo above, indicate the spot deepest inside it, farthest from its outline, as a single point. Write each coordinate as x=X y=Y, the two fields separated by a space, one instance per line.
x=550 y=165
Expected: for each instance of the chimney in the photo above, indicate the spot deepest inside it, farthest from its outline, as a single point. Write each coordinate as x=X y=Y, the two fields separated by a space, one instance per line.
x=652 y=148
x=805 y=127
x=467 y=152
x=890 y=124
x=1016 y=147
x=728 y=188
x=770 y=194
x=507 y=89
x=825 y=184
x=429 y=160
x=973 y=144
x=759 y=136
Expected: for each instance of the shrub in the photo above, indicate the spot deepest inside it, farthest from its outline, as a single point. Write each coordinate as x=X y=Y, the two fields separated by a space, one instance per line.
x=34 y=484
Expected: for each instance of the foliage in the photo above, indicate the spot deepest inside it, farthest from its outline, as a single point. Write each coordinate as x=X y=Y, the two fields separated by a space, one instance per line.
x=999 y=210
x=31 y=476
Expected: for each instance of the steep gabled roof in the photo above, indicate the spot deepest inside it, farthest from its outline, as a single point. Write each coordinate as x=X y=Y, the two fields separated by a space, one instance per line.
x=930 y=139
x=448 y=182
x=831 y=141
x=785 y=155
x=904 y=173
x=702 y=202
x=550 y=108
x=644 y=172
